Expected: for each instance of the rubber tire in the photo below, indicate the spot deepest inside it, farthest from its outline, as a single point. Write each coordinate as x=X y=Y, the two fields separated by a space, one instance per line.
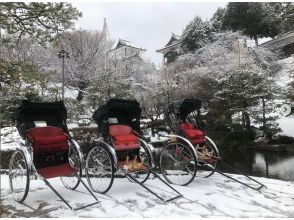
x=112 y=169
x=194 y=158
x=27 y=175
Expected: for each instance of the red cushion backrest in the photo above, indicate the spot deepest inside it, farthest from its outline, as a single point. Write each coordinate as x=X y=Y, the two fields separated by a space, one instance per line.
x=47 y=139
x=186 y=126
x=44 y=132
x=118 y=130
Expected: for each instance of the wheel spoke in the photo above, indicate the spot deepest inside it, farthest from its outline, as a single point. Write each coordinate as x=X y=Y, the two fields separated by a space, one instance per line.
x=18 y=176
x=71 y=181
x=178 y=169
x=99 y=169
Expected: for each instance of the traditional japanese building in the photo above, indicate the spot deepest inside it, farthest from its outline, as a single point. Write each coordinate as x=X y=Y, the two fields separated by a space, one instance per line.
x=171 y=50
x=285 y=43
x=123 y=49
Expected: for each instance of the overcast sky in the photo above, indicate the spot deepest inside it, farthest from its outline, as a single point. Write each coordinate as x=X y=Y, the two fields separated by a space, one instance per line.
x=147 y=25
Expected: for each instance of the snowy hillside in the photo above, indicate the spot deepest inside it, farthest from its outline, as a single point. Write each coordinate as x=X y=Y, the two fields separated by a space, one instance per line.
x=212 y=197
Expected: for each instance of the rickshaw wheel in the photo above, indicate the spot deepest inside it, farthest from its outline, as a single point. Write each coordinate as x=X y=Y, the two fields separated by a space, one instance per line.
x=142 y=176
x=209 y=147
x=178 y=163
x=19 y=176
x=74 y=159
x=100 y=169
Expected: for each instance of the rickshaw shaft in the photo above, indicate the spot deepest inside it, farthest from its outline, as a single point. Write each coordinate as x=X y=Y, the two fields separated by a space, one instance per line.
x=149 y=190
x=232 y=178
x=145 y=187
x=60 y=196
x=234 y=169
x=52 y=188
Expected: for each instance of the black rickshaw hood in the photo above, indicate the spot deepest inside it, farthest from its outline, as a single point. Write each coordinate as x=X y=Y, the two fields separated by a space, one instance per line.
x=126 y=112
x=54 y=113
x=183 y=108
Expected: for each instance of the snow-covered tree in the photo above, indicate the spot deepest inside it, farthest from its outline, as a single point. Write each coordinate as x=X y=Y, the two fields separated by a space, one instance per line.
x=217 y=19
x=123 y=78
x=37 y=20
x=85 y=51
x=236 y=82
x=22 y=76
x=196 y=34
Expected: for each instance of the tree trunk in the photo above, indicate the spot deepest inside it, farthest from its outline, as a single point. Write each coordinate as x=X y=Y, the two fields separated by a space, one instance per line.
x=247 y=120
x=80 y=96
x=152 y=127
x=263 y=116
x=82 y=86
x=256 y=40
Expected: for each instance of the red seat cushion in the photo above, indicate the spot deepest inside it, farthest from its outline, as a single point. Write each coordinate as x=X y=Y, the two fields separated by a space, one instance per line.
x=47 y=139
x=196 y=136
x=123 y=138
x=56 y=171
x=115 y=130
x=51 y=140
x=126 y=138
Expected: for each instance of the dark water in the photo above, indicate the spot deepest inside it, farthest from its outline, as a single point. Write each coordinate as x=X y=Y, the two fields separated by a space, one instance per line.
x=277 y=165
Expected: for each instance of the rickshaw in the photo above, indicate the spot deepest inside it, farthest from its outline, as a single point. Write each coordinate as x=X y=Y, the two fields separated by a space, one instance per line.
x=120 y=149
x=189 y=151
x=46 y=151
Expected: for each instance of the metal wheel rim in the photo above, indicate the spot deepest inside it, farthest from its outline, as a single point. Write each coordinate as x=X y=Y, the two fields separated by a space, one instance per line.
x=18 y=176
x=99 y=169
x=183 y=164
x=206 y=173
x=71 y=181
x=142 y=176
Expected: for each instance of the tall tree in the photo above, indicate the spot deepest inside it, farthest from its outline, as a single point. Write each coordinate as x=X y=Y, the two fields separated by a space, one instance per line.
x=85 y=51
x=23 y=27
x=217 y=19
x=254 y=19
x=41 y=21
x=196 y=34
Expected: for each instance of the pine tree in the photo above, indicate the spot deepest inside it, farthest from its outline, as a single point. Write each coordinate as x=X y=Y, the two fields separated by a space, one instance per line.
x=196 y=34
x=254 y=19
x=217 y=19
x=41 y=21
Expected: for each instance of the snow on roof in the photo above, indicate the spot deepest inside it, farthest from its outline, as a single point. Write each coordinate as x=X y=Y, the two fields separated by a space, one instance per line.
x=173 y=41
x=120 y=43
x=281 y=41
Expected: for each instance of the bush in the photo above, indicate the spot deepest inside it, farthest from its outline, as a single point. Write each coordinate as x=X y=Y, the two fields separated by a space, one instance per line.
x=233 y=136
x=282 y=139
x=85 y=136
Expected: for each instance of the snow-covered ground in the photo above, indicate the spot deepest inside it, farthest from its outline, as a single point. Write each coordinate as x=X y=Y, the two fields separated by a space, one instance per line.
x=212 y=197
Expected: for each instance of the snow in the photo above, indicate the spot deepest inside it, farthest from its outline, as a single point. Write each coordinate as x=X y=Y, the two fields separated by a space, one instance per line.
x=124 y=42
x=9 y=138
x=251 y=42
x=284 y=76
x=211 y=197
x=68 y=92
x=287 y=126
